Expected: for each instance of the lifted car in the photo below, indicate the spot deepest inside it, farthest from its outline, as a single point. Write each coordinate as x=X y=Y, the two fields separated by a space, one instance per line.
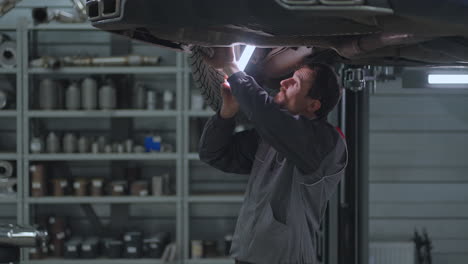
x=357 y=32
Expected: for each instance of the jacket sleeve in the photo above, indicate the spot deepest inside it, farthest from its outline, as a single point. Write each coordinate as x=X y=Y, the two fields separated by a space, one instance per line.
x=289 y=134
x=228 y=152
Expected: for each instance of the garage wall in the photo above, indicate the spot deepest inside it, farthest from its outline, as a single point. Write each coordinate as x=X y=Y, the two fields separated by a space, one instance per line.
x=419 y=167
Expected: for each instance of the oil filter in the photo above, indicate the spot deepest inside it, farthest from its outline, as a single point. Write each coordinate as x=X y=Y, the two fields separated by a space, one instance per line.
x=139 y=188
x=89 y=94
x=96 y=187
x=81 y=187
x=118 y=188
x=38 y=180
x=60 y=186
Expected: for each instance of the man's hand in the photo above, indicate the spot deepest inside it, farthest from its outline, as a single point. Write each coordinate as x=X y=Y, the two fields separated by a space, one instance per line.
x=223 y=59
x=230 y=105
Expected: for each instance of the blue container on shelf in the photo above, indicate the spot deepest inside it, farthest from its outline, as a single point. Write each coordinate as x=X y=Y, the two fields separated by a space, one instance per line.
x=153 y=143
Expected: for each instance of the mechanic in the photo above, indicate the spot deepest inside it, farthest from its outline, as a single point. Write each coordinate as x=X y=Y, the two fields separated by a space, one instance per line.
x=295 y=158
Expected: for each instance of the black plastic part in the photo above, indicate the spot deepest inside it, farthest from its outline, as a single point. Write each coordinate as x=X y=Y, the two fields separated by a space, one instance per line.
x=110 y=7
x=93 y=9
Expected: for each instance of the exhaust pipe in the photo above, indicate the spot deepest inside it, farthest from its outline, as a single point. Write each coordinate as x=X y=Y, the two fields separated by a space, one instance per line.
x=103 y=9
x=15 y=235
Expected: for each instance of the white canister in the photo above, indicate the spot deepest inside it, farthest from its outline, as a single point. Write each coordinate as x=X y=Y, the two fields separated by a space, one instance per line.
x=69 y=143
x=47 y=95
x=150 y=100
x=89 y=94
x=168 y=98
x=36 y=145
x=101 y=141
x=107 y=97
x=139 y=96
x=52 y=143
x=83 y=145
x=73 y=97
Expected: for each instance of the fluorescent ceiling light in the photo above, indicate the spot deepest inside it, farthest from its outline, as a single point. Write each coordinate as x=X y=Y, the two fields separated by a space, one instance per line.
x=447 y=78
x=245 y=57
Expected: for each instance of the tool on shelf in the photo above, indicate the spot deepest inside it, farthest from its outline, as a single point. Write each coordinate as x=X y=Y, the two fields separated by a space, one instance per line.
x=45 y=15
x=81 y=61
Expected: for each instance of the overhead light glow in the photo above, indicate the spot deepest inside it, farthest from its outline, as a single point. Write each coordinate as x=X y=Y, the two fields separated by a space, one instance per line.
x=245 y=57
x=447 y=78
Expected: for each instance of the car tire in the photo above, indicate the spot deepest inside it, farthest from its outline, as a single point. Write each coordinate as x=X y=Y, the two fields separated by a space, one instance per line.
x=206 y=78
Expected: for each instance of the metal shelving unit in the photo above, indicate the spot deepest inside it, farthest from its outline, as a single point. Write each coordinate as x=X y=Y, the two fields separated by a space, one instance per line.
x=107 y=70
x=8 y=156
x=95 y=261
x=8 y=70
x=210 y=261
x=102 y=200
x=215 y=198
x=181 y=157
x=29 y=114
x=91 y=156
x=8 y=113
x=124 y=113
x=17 y=115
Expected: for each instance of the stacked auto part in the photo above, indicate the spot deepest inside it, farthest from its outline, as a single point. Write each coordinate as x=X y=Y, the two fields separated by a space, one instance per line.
x=89 y=94
x=47 y=182
x=65 y=243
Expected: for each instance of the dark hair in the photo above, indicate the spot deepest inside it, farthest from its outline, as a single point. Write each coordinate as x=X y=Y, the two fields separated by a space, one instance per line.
x=325 y=87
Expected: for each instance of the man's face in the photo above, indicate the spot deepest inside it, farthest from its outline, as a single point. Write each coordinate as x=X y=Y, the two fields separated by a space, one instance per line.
x=293 y=91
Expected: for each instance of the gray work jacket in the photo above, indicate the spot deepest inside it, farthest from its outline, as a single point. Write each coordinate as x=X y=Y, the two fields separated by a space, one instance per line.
x=294 y=163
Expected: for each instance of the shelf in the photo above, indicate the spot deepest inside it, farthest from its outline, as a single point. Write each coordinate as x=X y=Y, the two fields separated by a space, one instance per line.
x=92 y=156
x=8 y=113
x=106 y=70
x=8 y=70
x=210 y=261
x=193 y=156
x=95 y=261
x=8 y=156
x=216 y=198
x=7 y=27
x=101 y=200
x=57 y=26
x=7 y=199
x=202 y=113
x=100 y=113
